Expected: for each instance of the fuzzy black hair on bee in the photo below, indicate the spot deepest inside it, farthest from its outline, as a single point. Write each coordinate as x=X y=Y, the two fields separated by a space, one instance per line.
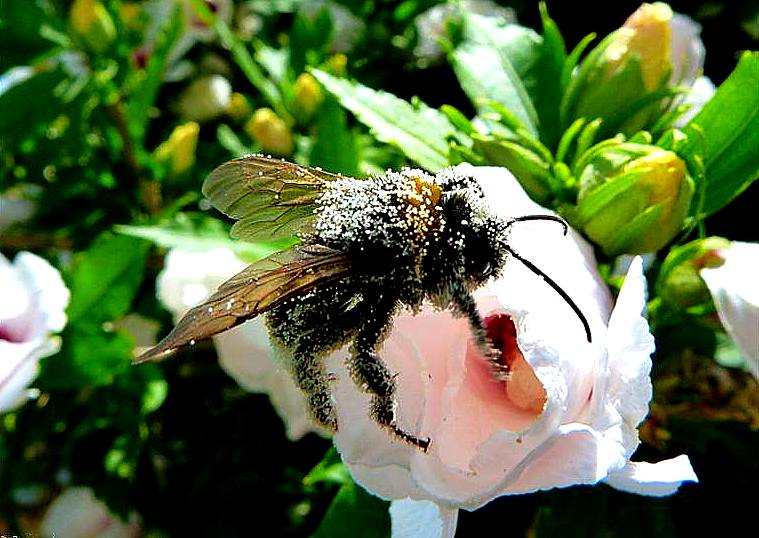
x=368 y=248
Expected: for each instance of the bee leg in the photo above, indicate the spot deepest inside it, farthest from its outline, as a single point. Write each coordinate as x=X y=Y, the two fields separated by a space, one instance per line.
x=369 y=372
x=464 y=303
x=309 y=375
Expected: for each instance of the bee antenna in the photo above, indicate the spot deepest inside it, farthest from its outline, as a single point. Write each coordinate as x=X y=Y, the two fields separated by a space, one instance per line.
x=552 y=218
x=564 y=295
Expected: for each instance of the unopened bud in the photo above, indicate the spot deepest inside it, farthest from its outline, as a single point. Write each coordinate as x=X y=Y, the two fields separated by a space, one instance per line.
x=271 y=132
x=93 y=23
x=633 y=198
x=177 y=153
x=307 y=94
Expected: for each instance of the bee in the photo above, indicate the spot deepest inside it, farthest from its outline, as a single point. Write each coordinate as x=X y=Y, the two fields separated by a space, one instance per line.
x=367 y=248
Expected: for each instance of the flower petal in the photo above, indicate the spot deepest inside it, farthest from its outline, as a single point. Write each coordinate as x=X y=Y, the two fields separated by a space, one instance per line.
x=422 y=519
x=623 y=394
x=246 y=355
x=655 y=479
x=736 y=295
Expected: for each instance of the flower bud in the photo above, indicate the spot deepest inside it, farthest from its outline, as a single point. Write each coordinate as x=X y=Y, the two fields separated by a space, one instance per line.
x=93 y=23
x=205 y=99
x=619 y=80
x=633 y=198
x=178 y=152
x=679 y=283
x=307 y=94
x=270 y=131
x=239 y=108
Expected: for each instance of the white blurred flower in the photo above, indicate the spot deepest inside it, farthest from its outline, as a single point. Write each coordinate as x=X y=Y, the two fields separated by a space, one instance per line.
x=205 y=99
x=76 y=513
x=735 y=291
x=347 y=29
x=431 y=26
x=15 y=210
x=697 y=96
x=187 y=279
x=34 y=299
x=567 y=415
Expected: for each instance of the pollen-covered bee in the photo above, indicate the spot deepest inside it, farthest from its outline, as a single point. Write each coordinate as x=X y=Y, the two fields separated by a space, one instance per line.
x=368 y=247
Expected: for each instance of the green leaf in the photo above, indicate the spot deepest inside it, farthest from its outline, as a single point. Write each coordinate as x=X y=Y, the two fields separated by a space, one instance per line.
x=495 y=63
x=30 y=102
x=331 y=470
x=417 y=130
x=728 y=130
x=353 y=509
x=529 y=168
x=89 y=356
x=334 y=145
x=200 y=233
x=106 y=278
x=546 y=92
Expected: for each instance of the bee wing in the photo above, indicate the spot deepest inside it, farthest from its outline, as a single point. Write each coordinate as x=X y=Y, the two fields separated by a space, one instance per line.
x=271 y=198
x=256 y=289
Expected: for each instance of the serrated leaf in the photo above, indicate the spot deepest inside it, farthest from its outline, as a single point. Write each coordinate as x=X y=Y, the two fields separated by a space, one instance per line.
x=483 y=77
x=106 y=278
x=728 y=130
x=420 y=132
x=353 y=511
x=201 y=234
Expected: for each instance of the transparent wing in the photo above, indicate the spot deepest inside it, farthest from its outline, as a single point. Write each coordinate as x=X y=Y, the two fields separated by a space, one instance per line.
x=271 y=198
x=256 y=289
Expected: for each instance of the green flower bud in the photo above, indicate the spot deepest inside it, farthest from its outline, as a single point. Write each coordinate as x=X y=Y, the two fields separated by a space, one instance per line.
x=93 y=23
x=271 y=132
x=177 y=153
x=307 y=94
x=633 y=198
x=679 y=283
x=619 y=79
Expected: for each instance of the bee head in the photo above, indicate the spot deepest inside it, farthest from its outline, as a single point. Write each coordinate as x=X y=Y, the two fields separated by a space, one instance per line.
x=474 y=237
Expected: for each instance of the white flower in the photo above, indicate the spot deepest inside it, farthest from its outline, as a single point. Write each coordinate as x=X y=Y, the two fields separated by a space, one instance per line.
x=33 y=305
x=205 y=99
x=347 y=29
x=567 y=415
x=76 y=513
x=735 y=291
x=187 y=279
x=431 y=25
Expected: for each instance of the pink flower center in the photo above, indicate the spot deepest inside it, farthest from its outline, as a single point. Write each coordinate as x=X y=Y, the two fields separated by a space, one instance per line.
x=523 y=388
x=12 y=334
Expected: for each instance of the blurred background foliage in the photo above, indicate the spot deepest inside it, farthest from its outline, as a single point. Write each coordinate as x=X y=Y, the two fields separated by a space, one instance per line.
x=111 y=115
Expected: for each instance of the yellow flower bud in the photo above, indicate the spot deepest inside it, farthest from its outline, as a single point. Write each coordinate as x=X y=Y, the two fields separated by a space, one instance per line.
x=178 y=152
x=617 y=79
x=337 y=64
x=93 y=23
x=239 y=108
x=271 y=132
x=307 y=94
x=633 y=198
x=130 y=14
x=646 y=36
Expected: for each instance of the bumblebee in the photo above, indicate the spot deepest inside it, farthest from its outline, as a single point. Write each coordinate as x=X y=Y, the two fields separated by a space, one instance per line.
x=368 y=247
